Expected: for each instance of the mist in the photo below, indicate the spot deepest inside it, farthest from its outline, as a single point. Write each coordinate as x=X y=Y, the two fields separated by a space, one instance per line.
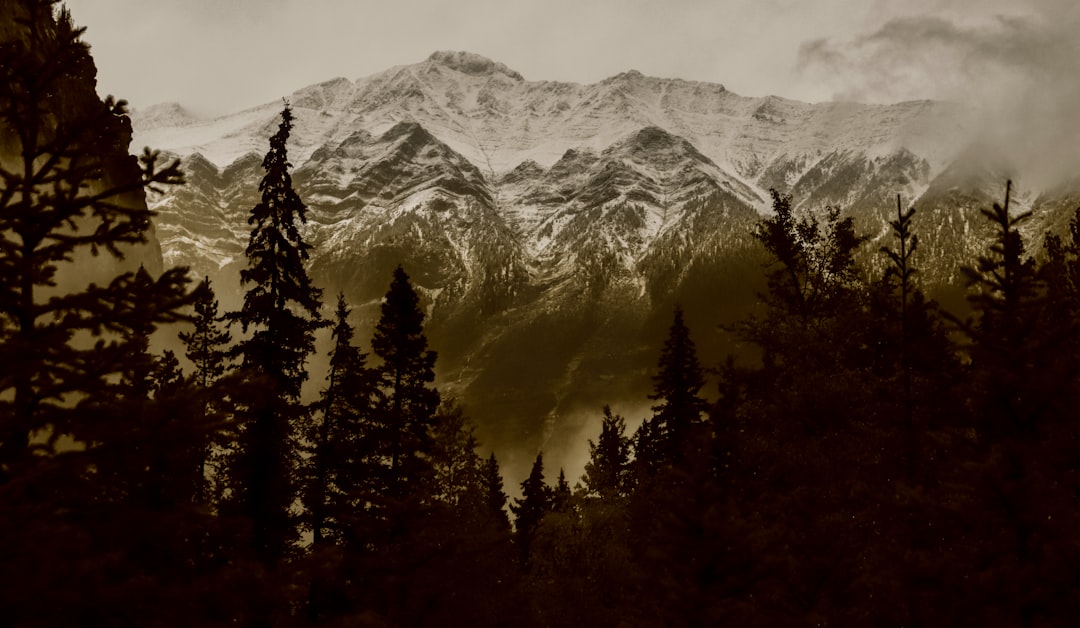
x=1017 y=72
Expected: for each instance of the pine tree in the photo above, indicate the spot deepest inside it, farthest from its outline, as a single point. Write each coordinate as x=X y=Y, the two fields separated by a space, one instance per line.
x=676 y=384
x=68 y=193
x=407 y=370
x=456 y=480
x=607 y=468
x=339 y=459
x=560 y=496
x=494 y=495
x=76 y=406
x=280 y=314
x=902 y=270
x=536 y=501
x=1007 y=297
x=206 y=346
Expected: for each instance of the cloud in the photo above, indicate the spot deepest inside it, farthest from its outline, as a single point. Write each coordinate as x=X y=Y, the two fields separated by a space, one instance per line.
x=1020 y=73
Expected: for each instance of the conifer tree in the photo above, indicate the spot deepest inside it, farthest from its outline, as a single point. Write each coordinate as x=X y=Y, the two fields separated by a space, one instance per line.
x=607 y=468
x=1006 y=296
x=560 y=496
x=494 y=495
x=73 y=325
x=207 y=346
x=68 y=192
x=535 y=502
x=340 y=460
x=405 y=375
x=207 y=343
x=676 y=384
x=280 y=314
x=456 y=481
x=902 y=270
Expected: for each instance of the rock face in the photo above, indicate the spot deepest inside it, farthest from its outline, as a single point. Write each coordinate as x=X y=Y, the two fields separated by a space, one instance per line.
x=75 y=96
x=552 y=226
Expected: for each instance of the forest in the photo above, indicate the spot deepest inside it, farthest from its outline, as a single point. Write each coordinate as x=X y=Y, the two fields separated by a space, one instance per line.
x=884 y=462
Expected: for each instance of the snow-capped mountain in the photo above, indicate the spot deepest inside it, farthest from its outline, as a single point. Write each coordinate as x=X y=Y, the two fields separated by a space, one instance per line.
x=551 y=226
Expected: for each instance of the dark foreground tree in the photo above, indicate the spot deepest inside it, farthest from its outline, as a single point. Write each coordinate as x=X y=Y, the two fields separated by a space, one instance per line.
x=77 y=392
x=341 y=461
x=206 y=346
x=535 y=502
x=678 y=380
x=494 y=496
x=68 y=191
x=606 y=472
x=405 y=377
x=279 y=316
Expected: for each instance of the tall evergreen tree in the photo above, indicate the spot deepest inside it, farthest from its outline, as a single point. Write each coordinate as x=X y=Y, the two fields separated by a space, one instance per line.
x=676 y=384
x=901 y=270
x=608 y=465
x=76 y=406
x=206 y=346
x=494 y=495
x=340 y=461
x=280 y=315
x=68 y=191
x=1006 y=295
x=535 y=502
x=405 y=375
x=561 y=494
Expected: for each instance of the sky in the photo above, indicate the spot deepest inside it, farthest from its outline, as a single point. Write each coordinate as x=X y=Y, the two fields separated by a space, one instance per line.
x=1016 y=61
x=219 y=56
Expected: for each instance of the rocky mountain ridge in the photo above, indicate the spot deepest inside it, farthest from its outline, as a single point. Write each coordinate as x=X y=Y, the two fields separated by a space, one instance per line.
x=551 y=226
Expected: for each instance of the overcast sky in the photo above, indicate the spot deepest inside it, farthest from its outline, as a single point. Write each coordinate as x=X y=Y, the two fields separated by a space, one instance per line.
x=217 y=56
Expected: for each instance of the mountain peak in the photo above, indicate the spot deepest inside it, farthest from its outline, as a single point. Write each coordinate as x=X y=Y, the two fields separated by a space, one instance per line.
x=471 y=63
x=654 y=138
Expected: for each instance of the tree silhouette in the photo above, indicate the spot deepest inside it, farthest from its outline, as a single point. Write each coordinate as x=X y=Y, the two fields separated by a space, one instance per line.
x=206 y=346
x=678 y=379
x=69 y=193
x=407 y=370
x=609 y=458
x=494 y=496
x=341 y=457
x=81 y=397
x=280 y=314
x=902 y=270
x=535 y=502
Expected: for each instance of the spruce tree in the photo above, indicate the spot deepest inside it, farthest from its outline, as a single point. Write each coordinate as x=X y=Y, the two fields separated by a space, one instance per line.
x=607 y=468
x=68 y=192
x=901 y=270
x=405 y=375
x=1006 y=295
x=676 y=384
x=494 y=495
x=536 y=501
x=207 y=346
x=280 y=315
x=340 y=462
x=76 y=406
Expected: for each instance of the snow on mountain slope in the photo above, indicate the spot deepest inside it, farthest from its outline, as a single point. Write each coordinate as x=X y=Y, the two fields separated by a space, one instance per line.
x=497 y=120
x=550 y=226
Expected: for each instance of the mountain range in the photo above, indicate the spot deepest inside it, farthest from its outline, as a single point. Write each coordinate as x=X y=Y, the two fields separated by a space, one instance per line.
x=551 y=227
